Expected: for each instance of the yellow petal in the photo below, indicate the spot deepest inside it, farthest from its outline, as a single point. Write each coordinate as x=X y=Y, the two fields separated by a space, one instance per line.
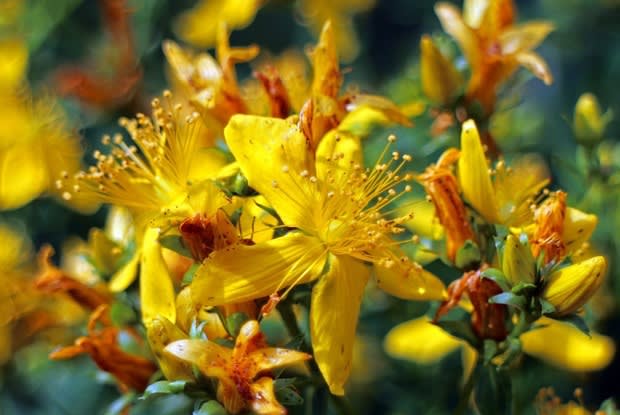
x=420 y=341
x=13 y=64
x=524 y=37
x=199 y=25
x=569 y=288
x=269 y=358
x=373 y=110
x=327 y=78
x=440 y=79
x=332 y=332
x=474 y=174
x=210 y=357
x=578 y=227
x=156 y=289
x=424 y=222
x=474 y=10
x=23 y=175
x=125 y=276
x=242 y=272
x=273 y=154
x=453 y=24
x=535 y=64
x=565 y=346
x=264 y=400
x=328 y=155
x=411 y=282
x=160 y=332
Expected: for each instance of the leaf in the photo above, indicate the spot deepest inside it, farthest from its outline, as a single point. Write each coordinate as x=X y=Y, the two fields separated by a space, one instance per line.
x=189 y=274
x=510 y=299
x=498 y=276
x=523 y=288
x=489 y=350
x=234 y=323
x=576 y=321
x=286 y=393
x=546 y=307
x=164 y=387
x=210 y=408
x=175 y=243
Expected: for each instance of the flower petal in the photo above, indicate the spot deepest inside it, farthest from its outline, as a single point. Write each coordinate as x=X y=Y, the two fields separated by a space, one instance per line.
x=578 y=227
x=565 y=346
x=210 y=357
x=534 y=63
x=156 y=289
x=411 y=283
x=453 y=24
x=420 y=341
x=125 y=276
x=264 y=400
x=333 y=145
x=524 y=37
x=269 y=358
x=243 y=272
x=273 y=153
x=23 y=175
x=474 y=173
x=333 y=332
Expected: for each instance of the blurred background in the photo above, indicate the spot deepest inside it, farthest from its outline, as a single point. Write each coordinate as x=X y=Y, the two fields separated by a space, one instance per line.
x=583 y=53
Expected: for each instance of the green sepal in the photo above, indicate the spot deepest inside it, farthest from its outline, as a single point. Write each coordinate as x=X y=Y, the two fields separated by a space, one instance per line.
x=498 y=276
x=457 y=323
x=489 y=350
x=209 y=408
x=468 y=256
x=546 y=307
x=164 y=387
x=234 y=323
x=511 y=299
x=188 y=277
x=576 y=321
x=175 y=243
x=286 y=393
x=523 y=288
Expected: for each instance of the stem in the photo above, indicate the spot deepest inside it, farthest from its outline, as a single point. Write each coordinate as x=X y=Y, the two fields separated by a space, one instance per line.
x=468 y=389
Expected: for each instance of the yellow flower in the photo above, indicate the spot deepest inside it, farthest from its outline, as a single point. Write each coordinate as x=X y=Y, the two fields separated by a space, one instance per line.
x=557 y=343
x=242 y=371
x=210 y=84
x=569 y=288
x=588 y=122
x=518 y=262
x=493 y=45
x=441 y=82
x=330 y=201
x=339 y=12
x=505 y=200
x=199 y=25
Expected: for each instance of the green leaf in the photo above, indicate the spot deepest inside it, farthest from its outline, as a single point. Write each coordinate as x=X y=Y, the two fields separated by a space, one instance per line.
x=286 y=393
x=164 y=387
x=234 y=323
x=468 y=256
x=497 y=276
x=523 y=288
x=188 y=277
x=175 y=243
x=210 y=408
x=510 y=299
x=576 y=321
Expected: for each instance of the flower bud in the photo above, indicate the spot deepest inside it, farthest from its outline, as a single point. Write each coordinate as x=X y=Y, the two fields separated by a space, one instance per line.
x=569 y=288
x=588 y=123
x=440 y=79
x=518 y=263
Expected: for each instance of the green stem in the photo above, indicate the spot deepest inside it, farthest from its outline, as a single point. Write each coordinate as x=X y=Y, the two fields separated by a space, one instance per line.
x=468 y=389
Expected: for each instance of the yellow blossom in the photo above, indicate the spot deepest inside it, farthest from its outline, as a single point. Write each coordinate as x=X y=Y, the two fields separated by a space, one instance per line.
x=506 y=199
x=330 y=200
x=569 y=288
x=588 y=122
x=557 y=343
x=199 y=25
x=242 y=373
x=494 y=45
x=518 y=262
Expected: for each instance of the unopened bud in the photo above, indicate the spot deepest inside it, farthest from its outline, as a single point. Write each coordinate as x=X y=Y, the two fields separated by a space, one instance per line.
x=588 y=123
x=569 y=288
x=518 y=262
x=440 y=80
